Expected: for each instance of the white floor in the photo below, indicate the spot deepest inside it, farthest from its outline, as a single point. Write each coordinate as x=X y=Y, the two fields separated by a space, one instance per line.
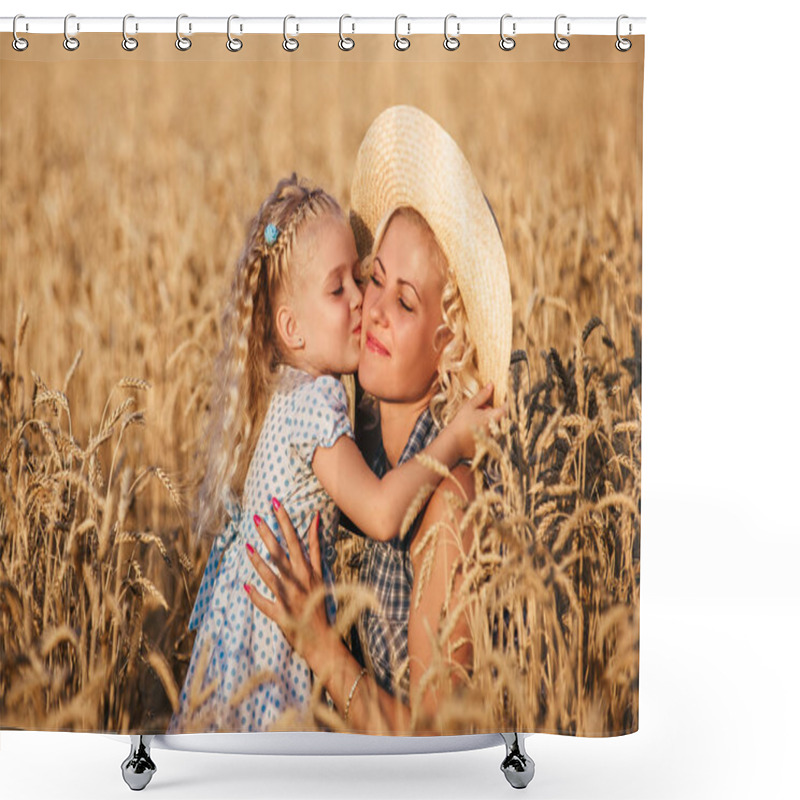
x=719 y=711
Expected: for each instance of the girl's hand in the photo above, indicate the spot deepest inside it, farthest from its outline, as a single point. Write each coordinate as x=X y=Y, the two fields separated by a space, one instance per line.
x=475 y=414
x=296 y=581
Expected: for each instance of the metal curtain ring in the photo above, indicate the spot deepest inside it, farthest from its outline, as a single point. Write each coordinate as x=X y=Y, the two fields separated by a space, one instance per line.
x=560 y=43
x=290 y=44
x=345 y=42
x=400 y=42
x=506 y=42
x=70 y=42
x=451 y=42
x=181 y=42
x=18 y=43
x=128 y=42
x=234 y=45
x=623 y=45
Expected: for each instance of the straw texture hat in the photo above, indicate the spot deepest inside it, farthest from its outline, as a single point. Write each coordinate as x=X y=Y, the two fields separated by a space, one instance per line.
x=408 y=159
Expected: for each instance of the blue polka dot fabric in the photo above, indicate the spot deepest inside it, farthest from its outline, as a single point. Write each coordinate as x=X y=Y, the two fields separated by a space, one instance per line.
x=246 y=649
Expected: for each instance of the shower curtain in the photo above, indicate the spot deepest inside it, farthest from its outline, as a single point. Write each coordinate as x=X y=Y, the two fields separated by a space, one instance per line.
x=130 y=188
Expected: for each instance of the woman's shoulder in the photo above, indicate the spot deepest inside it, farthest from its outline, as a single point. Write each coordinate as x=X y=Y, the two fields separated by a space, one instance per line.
x=461 y=484
x=462 y=474
x=441 y=508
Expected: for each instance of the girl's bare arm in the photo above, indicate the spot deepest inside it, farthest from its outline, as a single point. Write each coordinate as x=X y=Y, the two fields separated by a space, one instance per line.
x=378 y=505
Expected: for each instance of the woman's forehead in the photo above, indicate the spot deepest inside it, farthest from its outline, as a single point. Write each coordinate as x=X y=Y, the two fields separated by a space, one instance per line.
x=409 y=252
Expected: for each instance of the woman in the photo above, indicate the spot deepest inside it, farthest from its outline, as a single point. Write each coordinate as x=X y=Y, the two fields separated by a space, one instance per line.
x=436 y=325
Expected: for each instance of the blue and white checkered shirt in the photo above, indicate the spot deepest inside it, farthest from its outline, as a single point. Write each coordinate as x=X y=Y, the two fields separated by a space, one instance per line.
x=386 y=569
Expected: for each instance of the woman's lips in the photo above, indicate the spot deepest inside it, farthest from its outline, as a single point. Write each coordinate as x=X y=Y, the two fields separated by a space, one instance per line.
x=376 y=347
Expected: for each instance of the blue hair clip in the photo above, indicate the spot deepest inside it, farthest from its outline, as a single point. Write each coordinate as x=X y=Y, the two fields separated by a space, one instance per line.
x=271 y=234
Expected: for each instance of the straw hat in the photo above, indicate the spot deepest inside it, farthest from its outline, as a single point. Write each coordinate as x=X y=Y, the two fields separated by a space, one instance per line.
x=408 y=159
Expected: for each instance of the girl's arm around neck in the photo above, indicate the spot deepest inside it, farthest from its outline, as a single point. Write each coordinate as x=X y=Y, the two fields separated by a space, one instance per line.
x=378 y=505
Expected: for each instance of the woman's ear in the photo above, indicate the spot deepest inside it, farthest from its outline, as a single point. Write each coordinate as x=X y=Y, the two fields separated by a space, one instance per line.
x=441 y=337
x=288 y=328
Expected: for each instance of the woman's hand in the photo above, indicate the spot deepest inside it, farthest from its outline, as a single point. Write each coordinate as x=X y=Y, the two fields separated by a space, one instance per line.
x=474 y=414
x=296 y=581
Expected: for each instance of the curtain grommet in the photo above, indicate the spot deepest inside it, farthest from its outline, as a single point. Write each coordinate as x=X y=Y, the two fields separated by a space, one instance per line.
x=507 y=42
x=560 y=43
x=18 y=43
x=290 y=43
x=451 y=42
x=345 y=42
x=182 y=42
x=71 y=43
x=129 y=43
x=233 y=44
x=623 y=45
x=401 y=43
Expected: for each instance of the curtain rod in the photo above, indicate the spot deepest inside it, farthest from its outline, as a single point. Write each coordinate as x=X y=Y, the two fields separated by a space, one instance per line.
x=406 y=26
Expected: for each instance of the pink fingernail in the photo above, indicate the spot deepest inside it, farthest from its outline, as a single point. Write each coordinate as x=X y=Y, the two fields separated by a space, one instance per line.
x=257 y=519
x=249 y=547
x=247 y=588
x=276 y=504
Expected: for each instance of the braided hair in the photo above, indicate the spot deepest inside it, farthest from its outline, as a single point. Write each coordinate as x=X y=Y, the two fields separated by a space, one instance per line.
x=245 y=372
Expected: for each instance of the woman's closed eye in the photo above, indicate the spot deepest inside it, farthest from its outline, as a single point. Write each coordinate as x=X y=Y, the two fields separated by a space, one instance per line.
x=399 y=299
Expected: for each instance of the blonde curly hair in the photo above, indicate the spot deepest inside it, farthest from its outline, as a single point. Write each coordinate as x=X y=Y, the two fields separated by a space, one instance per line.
x=245 y=372
x=458 y=364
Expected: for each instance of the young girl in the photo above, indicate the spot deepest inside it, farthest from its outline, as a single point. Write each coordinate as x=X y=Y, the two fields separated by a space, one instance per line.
x=280 y=433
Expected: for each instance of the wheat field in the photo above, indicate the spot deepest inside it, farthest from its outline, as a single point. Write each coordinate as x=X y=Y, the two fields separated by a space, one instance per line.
x=125 y=189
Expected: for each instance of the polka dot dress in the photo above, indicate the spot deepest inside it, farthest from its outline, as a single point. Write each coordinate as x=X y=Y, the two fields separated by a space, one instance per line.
x=305 y=412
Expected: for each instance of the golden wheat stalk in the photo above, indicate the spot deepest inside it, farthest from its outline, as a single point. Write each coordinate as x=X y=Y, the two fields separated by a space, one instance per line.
x=162 y=668
x=149 y=588
x=73 y=367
